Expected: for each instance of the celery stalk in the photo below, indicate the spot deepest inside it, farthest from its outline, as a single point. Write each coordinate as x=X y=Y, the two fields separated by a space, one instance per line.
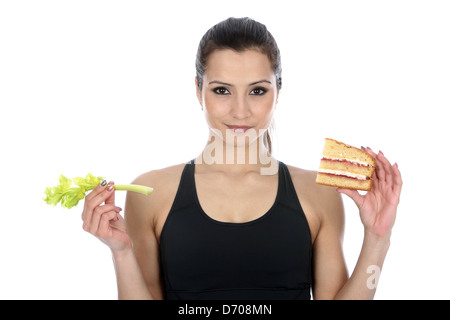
x=69 y=196
x=134 y=187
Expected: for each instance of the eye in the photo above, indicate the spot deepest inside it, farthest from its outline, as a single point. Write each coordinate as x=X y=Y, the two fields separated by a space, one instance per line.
x=258 y=91
x=221 y=91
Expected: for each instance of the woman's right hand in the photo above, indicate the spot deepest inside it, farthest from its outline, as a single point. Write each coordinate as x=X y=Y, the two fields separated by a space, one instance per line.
x=104 y=220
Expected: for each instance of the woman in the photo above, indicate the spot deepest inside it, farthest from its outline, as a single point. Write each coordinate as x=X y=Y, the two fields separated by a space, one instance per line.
x=236 y=223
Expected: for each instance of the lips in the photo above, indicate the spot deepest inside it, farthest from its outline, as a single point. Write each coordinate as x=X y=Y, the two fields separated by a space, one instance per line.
x=238 y=129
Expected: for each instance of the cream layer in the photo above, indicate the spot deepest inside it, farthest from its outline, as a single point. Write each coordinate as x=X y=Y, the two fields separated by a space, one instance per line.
x=344 y=173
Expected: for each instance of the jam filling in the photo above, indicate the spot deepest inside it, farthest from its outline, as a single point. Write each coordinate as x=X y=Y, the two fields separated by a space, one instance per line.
x=348 y=161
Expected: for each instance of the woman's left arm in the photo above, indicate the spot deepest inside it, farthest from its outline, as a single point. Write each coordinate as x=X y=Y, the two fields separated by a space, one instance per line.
x=378 y=209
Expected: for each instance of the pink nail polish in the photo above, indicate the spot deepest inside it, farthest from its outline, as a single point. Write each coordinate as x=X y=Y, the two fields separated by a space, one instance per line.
x=110 y=187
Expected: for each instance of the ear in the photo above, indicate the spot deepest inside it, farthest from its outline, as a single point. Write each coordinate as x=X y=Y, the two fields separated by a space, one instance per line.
x=278 y=95
x=199 y=94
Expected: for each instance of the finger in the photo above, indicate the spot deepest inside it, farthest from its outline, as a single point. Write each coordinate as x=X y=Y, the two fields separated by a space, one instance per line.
x=387 y=169
x=101 y=197
x=353 y=194
x=370 y=151
x=112 y=195
x=91 y=204
x=398 y=181
x=118 y=218
x=376 y=178
x=378 y=165
x=99 y=188
x=99 y=211
x=90 y=223
x=375 y=182
x=104 y=224
x=105 y=192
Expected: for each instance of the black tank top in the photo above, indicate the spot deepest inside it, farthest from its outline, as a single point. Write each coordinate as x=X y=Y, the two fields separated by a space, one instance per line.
x=266 y=258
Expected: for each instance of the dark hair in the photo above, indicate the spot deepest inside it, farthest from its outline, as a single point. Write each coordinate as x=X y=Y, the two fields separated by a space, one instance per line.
x=239 y=34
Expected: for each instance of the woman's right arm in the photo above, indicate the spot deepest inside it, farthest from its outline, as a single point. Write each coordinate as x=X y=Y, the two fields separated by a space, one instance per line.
x=101 y=218
x=141 y=216
x=130 y=281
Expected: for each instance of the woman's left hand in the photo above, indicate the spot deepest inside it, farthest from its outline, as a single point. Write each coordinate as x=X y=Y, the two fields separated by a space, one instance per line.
x=378 y=207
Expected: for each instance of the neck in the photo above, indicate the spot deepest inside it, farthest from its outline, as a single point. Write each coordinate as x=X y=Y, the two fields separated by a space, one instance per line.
x=239 y=154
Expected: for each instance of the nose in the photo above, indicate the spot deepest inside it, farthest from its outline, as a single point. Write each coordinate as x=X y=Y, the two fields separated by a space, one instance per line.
x=240 y=108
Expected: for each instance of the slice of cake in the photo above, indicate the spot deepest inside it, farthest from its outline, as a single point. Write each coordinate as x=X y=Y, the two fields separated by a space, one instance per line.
x=345 y=166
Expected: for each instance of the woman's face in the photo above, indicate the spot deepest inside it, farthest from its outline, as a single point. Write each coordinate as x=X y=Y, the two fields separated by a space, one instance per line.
x=239 y=92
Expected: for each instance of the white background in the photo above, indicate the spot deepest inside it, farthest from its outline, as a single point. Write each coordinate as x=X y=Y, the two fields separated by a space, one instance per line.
x=107 y=87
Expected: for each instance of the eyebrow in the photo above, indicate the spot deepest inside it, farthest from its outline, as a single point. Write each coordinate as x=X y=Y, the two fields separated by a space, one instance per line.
x=230 y=85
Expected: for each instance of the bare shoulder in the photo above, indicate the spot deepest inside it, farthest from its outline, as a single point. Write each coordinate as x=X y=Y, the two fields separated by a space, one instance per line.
x=320 y=203
x=305 y=181
x=161 y=180
x=150 y=209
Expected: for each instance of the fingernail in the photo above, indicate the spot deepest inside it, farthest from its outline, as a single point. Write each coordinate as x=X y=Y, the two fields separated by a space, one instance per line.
x=103 y=183
x=380 y=152
x=363 y=148
x=396 y=165
x=110 y=187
